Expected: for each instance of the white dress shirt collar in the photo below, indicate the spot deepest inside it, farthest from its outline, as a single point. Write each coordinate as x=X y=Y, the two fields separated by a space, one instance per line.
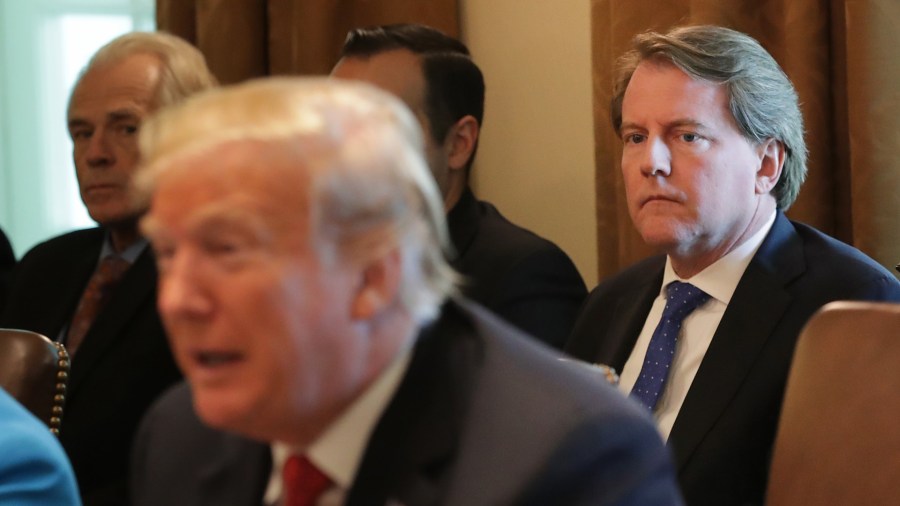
x=339 y=450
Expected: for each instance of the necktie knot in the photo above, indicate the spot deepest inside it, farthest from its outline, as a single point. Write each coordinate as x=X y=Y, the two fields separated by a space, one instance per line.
x=681 y=300
x=303 y=481
x=110 y=272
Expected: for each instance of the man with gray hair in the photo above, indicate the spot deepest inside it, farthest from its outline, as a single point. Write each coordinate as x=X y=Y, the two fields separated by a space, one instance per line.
x=713 y=155
x=94 y=290
x=309 y=304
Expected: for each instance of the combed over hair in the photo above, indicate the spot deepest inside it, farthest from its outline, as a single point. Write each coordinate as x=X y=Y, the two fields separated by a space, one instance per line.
x=363 y=150
x=183 y=69
x=761 y=98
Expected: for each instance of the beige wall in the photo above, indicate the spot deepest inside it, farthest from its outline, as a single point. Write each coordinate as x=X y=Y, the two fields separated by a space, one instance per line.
x=536 y=160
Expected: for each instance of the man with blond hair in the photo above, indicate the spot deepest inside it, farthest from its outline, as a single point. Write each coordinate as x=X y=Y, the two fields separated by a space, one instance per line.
x=94 y=290
x=328 y=360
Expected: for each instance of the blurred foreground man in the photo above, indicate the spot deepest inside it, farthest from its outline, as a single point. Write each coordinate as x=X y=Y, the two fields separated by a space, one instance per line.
x=525 y=279
x=94 y=290
x=713 y=156
x=302 y=283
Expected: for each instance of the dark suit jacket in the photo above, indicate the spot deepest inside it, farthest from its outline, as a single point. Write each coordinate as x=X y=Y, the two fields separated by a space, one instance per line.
x=723 y=435
x=121 y=367
x=482 y=417
x=7 y=262
x=524 y=278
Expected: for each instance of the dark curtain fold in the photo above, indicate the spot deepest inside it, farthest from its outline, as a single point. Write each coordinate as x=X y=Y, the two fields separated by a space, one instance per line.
x=242 y=39
x=838 y=53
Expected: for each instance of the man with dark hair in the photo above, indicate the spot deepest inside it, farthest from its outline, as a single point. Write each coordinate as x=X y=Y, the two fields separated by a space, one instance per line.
x=525 y=279
x=7 y=262
x=94 y=289
x=713 y=155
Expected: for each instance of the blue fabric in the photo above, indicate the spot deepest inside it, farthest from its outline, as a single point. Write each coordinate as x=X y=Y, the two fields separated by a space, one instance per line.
x=681 y=300
x=34 y=470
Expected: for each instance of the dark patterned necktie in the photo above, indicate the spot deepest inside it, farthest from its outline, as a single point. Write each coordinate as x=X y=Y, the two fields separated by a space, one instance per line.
x=94 y=299
x=304 y=483
x=681 y=300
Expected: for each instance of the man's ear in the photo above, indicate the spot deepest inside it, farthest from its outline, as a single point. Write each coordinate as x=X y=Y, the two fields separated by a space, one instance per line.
x=461 y=141
x=379 y=286
x=772 y=155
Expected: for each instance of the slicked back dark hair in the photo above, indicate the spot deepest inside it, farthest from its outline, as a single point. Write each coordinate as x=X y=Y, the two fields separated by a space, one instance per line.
x=454 y=84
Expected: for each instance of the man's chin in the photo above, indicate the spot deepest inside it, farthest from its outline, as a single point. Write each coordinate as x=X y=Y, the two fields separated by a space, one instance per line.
x=218 y=411
x=127 y=218
x=661 y=239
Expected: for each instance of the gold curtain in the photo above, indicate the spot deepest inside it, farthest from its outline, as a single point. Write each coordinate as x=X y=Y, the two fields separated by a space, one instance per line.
x=242 y=39
x=840 y=56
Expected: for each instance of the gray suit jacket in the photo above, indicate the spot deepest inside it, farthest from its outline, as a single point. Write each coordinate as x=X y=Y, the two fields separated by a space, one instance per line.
x=482 y=417
x=723 y=435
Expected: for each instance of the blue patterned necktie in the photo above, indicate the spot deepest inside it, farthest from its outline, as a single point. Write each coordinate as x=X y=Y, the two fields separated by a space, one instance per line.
x=681 y=300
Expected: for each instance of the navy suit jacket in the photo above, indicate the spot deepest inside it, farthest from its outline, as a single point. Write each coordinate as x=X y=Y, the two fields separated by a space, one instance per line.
x=525 y=279
x=722 y=438
x=483 y=416
x=7 y=261
x=123 y=364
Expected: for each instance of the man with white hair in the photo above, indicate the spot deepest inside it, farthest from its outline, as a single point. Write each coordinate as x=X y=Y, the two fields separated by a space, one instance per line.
x=94 y=289
x=309 y=304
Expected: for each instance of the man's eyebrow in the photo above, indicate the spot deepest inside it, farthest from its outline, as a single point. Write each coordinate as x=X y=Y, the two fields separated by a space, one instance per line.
x=676 y=123
x=112 y=116
x=123 y=114
x=224 y=216
x=687 y=122
x=77 y=122
x=628 y=125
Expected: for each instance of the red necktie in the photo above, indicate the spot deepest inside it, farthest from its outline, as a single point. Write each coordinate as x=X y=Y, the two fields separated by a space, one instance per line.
x=94 y=298
x=303 y=482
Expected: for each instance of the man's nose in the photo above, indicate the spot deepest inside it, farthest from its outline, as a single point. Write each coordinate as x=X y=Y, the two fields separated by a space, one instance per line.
x=182 y=288
x=99 y=152
x=657 y=158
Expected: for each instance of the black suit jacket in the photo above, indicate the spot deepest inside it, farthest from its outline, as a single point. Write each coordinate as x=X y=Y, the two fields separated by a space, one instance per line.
x=522 y=277
x=482 y=417
x=723 y=435
x=123 y=364
x=7 y=262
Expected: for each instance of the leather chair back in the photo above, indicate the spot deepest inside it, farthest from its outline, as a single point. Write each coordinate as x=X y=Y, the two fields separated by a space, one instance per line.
x=35 y=371
x=838 y=439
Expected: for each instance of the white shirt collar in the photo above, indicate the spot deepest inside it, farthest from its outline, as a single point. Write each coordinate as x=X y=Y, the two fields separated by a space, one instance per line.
x=339 y=450
x=721 y=278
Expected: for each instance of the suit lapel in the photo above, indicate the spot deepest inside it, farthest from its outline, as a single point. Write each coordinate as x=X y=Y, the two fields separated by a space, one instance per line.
x=238 y=475
x=413 y=445
x=628 y=318
x=137 y=288
x=757 y=305
x=71 y=281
